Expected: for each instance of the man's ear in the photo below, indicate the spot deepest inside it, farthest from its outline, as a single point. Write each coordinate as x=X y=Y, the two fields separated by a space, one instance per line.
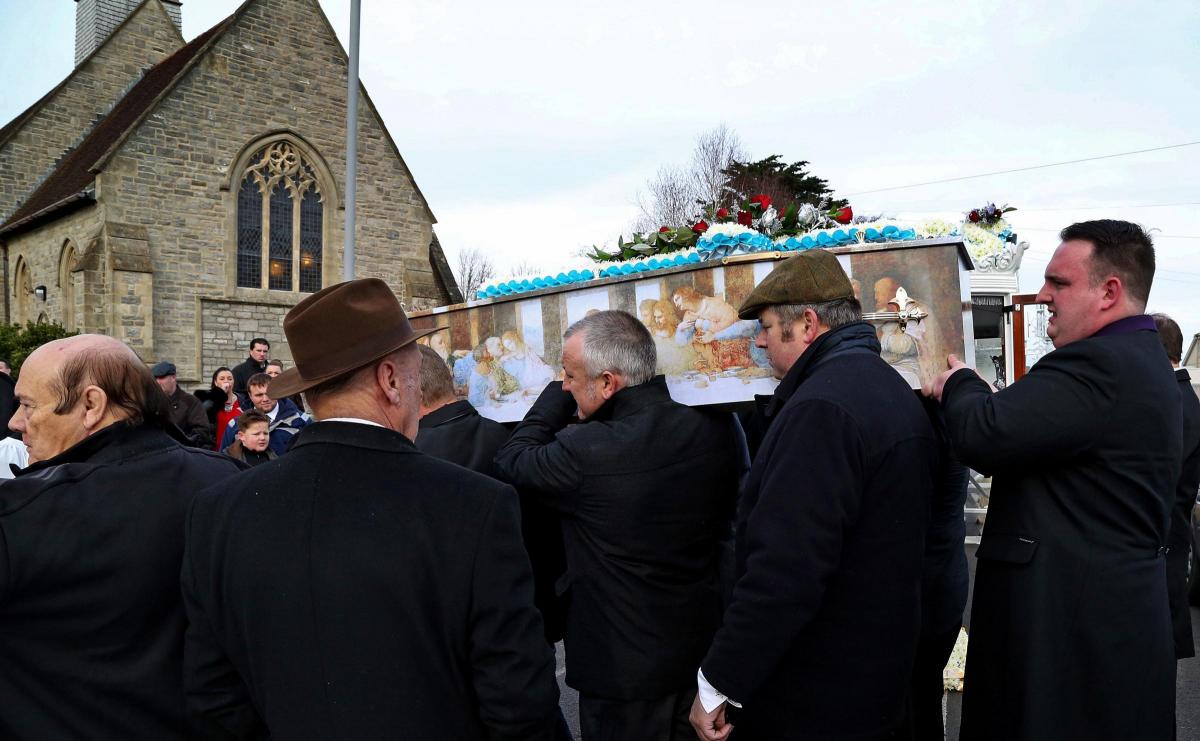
x=95 y=407
x=1114 y=291
x=812 y=326
x=610 y=385
x=387 y=376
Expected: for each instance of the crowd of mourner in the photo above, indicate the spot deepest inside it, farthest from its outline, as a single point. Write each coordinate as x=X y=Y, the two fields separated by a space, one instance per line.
x=345 y=549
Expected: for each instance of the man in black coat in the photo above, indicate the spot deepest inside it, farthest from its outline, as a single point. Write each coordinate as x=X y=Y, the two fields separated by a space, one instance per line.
x=1180 y=539
x=251 y=366
x=91 y=619
x=645 y=488
x=358 y=588
x=451 y=429
x=184 y=410
x=945 y=581
x=1070 y=626
x=819 y=638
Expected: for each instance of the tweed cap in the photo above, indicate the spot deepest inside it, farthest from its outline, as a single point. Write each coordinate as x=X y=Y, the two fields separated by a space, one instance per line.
x=811 y=277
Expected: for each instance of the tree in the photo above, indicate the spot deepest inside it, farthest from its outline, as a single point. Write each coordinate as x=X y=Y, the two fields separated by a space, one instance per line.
x=525 y=268
x=474 y=269
x=16 y=342
x=677 y=195
x=786 y=184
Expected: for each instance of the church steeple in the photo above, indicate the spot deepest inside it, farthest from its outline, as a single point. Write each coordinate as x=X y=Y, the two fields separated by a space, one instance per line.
x=96 y=19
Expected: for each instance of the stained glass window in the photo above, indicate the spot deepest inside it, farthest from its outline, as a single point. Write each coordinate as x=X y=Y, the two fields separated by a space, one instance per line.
x=282 y=182
x=312 y=217
x=249 y=234
x=281 y=239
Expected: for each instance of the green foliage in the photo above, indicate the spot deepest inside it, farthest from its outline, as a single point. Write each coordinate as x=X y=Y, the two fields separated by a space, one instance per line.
x=16 y=342
x=788 y=184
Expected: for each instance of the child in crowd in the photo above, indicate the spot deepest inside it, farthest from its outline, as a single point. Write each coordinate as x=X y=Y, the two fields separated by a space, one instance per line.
x=253 y=434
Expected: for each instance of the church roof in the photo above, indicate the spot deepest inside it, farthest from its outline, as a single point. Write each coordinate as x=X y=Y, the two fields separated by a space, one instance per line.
x=72 y=177
x=70 y=183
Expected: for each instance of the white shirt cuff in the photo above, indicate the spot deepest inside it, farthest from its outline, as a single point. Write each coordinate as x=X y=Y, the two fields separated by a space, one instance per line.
x=710 y=697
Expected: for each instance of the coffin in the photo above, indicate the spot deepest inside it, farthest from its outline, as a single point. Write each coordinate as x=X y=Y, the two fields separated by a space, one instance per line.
x=503 y=351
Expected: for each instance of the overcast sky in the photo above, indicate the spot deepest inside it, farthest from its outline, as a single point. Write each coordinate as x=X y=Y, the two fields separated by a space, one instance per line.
x=531 y=126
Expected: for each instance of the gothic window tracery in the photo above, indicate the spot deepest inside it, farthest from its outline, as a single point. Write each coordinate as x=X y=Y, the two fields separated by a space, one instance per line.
x=280 y=222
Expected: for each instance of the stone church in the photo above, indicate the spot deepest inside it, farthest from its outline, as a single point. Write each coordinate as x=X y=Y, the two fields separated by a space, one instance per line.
x=182 y=196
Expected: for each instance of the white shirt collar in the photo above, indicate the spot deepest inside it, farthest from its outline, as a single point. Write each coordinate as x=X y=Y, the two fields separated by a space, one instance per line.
x=355 y=420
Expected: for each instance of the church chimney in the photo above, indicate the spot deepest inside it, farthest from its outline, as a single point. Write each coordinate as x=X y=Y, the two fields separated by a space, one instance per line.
x=96 y=19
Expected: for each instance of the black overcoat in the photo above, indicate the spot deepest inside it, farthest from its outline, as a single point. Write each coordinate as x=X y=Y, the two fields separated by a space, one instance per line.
x=91 y=621
x=819 y=639
x=1181 y=519
x=459 y=434
x=646 y=488
x=357 y=588
x=1070 y=627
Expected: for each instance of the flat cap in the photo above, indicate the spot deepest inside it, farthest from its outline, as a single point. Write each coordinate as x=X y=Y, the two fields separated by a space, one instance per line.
x=163 y=368
x=811 y=277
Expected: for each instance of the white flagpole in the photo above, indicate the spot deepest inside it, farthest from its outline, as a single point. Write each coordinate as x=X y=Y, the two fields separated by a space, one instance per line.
x=351 y=142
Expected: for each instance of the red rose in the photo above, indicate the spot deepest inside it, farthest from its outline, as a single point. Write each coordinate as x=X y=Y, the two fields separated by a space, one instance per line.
x=844 y=215
x=664 y=229
x=973 y=216
x=763 y=201
x=744 y=218
x=700 y=226
x=722 y=213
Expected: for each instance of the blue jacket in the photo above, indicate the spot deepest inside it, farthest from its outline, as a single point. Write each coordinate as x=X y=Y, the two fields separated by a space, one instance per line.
x=288 y=422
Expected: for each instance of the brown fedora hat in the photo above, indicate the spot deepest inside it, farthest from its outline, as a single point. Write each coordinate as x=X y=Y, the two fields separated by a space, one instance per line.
x=339 y=329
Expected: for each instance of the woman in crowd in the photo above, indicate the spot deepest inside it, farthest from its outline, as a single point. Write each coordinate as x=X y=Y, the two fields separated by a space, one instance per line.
x=220 y=403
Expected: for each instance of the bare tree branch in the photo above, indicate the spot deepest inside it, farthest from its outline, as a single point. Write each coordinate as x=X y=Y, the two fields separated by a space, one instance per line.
x=474 y=269
x=677 y=195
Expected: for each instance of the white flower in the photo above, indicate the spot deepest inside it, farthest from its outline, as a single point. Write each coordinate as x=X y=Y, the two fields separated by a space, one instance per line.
x=732 y=229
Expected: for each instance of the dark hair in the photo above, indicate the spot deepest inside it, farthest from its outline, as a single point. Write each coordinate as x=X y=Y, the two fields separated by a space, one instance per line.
x=123 y=378
x=259 y=341
x=1119 y=248
x=258 y=379
x=277 y=363
x=436 y=382
x=1170 y=336
x=217 y=372
x=251 y=417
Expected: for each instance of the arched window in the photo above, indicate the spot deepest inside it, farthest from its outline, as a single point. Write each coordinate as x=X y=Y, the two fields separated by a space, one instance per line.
x=280 y=222
x=66 y=283
x=23 y=290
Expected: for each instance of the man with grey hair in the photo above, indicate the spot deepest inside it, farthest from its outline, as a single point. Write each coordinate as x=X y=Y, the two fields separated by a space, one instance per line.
x=645 y=488
x=830 y=528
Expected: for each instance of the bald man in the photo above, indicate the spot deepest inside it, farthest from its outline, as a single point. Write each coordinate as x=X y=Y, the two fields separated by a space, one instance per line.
x=91 y=542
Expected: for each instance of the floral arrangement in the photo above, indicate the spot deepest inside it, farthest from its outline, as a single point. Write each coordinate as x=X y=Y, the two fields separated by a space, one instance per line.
x=989 y=214
x=956 y=667
x=755 y=215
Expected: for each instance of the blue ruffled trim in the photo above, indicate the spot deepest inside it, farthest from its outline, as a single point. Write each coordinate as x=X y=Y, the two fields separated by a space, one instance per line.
x=721 y=245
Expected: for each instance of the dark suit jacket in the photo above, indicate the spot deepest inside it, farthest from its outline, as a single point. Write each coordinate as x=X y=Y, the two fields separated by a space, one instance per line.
x=457 y=433
x=242 y=373
x=357 y=588
x=1070 y=625
x=819 y=639
x=1181 y=519
x=188 y=414
x=91 y=620
x=646 y=488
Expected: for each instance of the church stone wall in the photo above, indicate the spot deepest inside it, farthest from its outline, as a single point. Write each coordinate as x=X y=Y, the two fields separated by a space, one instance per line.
x=278 y=68
x=226 y=328
x=41 y=250
x=91 y=90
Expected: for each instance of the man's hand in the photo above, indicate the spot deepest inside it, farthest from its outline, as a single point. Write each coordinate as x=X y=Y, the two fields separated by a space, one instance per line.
x=709 y=726
x=935 y=389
